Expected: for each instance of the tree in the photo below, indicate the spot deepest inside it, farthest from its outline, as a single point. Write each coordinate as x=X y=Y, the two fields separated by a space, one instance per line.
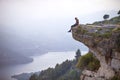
x=78 y=54
x=106 y=16
x=118 y=13
x=34 y=77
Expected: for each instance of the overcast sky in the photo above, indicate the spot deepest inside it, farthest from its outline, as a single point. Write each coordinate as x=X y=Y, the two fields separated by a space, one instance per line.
x=33 y=16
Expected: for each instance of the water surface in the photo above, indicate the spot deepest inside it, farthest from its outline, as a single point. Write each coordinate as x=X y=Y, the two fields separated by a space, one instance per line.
x=39 y=63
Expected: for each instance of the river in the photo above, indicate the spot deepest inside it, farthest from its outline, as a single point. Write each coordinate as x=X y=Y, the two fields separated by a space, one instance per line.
x=39 y=63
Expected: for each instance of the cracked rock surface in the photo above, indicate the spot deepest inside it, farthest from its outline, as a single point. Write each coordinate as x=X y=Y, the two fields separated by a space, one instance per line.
x=104 y=43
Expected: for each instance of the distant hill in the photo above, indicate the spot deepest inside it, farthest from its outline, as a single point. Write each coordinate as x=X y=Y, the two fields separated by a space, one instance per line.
x=37 y=44
x=8 y=57
x=64 y=71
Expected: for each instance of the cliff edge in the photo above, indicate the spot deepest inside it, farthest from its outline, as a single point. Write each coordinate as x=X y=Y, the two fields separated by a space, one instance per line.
x=104 y=42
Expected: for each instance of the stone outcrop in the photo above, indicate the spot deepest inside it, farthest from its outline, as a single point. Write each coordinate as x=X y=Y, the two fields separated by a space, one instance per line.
x=104 y=43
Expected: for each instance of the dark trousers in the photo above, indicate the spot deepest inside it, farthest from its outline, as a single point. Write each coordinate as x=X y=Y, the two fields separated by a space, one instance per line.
x=72 y=27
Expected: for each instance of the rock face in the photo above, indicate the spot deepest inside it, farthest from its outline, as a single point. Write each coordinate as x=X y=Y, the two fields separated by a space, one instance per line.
x=104 y=43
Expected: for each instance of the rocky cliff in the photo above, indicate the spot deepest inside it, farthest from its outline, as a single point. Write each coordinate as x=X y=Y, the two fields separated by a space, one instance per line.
x=104 y=42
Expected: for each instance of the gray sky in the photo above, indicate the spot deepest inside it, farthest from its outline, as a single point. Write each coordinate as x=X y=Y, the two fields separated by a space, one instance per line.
x=14 y=12
x=49 y=18
x=23 y=11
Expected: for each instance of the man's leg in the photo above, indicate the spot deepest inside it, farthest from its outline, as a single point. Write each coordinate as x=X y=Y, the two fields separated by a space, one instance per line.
x=72 y=26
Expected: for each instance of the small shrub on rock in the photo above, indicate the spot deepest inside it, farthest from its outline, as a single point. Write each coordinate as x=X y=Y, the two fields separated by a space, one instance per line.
x=88 y=61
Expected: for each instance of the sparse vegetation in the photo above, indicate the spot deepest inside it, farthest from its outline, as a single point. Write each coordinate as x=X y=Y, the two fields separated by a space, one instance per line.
x=105 y=35
x=114 y=20
x=81 y=30
x=116 y=29
x=118 y=13
x=116 y=77
x=89 y=62
x=99 y=29
x=34 y=77
x=106 y=16
x=118 y=43
x=78 y=54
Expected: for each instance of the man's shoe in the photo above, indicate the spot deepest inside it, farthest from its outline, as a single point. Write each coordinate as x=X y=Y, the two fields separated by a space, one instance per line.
x=69 y=30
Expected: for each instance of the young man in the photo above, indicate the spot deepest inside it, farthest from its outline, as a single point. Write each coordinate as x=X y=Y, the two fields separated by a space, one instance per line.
x=76 y=24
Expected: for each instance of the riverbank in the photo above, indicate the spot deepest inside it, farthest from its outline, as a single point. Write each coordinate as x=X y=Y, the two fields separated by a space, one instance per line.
x=45 y=61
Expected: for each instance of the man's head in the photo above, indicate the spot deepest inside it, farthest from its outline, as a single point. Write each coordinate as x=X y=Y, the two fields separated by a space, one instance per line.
x=75 y=18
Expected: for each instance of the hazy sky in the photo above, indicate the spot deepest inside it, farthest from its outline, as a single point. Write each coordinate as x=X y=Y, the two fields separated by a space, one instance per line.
x=56 y=8
x=23 y=11
x=48 y=17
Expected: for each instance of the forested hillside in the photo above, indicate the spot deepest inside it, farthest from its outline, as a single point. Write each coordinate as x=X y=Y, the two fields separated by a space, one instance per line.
x=65 y=71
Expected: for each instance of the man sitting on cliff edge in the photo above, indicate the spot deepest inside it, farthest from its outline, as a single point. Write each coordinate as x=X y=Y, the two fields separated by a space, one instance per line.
x=76 y=24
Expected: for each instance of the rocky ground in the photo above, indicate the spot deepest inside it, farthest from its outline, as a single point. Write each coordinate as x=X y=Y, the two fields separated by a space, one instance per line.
x=104 y=42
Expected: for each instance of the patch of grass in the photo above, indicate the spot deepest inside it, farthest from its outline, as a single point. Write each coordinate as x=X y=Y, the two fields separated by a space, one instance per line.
x=91 y=26
x=99 y=29
x=116 y=29
x=114 y=20
x=89 y=62
x=117 y=41
x=111 y=29
x=116 y=77
x=84 y=31
x=105 y=35
x=80 y=30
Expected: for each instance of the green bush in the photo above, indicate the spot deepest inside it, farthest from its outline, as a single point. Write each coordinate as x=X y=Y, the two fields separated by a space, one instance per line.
x=117 y=41
x=114 y=20
x=116 y=77
x=89 y=62
x=80 y=30
x=99 y=29
x=116 y=29
x=34 y=77
x=105 y=35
